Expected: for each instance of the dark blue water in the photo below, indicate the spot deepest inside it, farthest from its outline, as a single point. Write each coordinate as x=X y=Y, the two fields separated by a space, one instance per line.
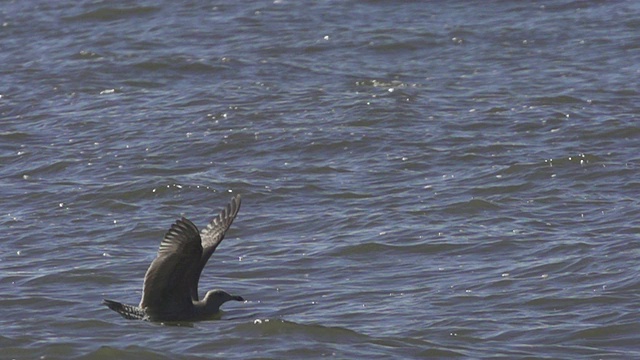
x=419 y=180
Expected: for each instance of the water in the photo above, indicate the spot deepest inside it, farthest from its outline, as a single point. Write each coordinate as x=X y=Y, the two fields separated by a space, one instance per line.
x=419 y=180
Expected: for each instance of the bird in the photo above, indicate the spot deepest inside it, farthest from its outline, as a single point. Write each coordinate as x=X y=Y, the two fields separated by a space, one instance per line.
x=170 y=289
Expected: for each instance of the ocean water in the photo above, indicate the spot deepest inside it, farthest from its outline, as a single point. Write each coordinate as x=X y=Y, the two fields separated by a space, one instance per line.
x=419 y=179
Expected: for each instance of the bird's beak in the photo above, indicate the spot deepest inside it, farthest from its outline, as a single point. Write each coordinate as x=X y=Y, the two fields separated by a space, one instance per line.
x=238 y=298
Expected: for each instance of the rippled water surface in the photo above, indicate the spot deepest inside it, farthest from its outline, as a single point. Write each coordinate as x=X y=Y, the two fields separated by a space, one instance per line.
x=419 y=179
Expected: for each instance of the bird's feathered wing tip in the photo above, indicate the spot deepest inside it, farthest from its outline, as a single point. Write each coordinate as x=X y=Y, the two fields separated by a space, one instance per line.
x=213 y=234
x=126 y=311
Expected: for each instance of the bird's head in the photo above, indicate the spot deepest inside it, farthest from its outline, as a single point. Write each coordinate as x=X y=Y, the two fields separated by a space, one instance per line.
x=215 y=298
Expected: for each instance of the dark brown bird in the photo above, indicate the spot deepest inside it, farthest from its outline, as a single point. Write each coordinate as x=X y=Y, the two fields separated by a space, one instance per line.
x=170 y=290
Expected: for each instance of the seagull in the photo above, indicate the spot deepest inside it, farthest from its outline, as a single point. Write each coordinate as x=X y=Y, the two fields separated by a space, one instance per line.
x=170 y=290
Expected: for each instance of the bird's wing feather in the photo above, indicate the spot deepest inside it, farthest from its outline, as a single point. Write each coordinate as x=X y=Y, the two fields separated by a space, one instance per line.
x=212 y=236
x=127 y=311
x=166 y=284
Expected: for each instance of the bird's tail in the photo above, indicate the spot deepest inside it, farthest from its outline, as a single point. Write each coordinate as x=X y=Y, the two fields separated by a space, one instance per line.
x=127 y=311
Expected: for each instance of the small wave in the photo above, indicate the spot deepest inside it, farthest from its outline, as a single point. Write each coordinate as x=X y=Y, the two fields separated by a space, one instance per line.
x=470 y=207
x=113 y=13
x=375 y=247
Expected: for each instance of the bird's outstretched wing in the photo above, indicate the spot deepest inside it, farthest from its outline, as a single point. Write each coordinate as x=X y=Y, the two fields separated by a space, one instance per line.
x=166 y=287
x=212 y=236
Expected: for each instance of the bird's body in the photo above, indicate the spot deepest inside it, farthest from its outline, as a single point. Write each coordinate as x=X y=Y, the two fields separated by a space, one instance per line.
x=170 y=290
